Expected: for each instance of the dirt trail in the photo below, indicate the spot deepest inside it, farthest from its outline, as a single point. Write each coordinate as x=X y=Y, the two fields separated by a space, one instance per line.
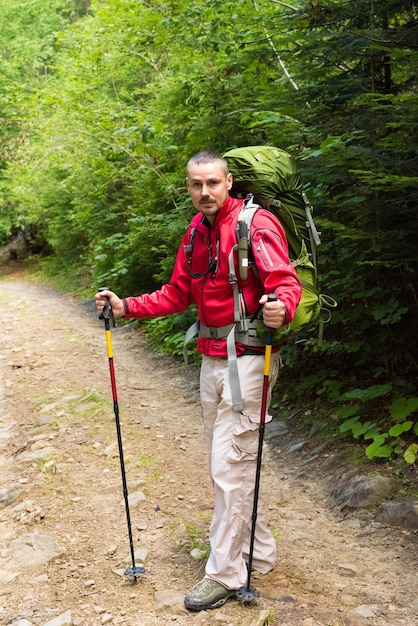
x=55 y=398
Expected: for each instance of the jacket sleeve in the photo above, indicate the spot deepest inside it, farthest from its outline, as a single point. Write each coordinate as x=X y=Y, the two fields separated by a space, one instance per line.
x=173 y=297
x=271 y=256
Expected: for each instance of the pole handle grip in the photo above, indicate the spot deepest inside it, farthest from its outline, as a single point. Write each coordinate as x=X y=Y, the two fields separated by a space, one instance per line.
x=272 y=297
x=106 y=313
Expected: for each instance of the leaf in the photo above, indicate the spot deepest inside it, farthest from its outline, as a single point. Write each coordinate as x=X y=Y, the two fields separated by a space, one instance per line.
x=402 y=407
x=373 y=432
x=360 y=429
x=398 y=429
x=389 y=313
x=370 y=393
x=377 y=450
x=348 y=410
x=380 y=438
x=410 y=453
x=348 y=424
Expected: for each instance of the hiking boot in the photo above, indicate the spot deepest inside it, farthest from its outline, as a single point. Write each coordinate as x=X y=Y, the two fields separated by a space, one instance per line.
x=207 y=594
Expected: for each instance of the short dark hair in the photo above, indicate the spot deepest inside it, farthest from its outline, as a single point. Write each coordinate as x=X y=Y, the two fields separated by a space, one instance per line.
x=207 y=156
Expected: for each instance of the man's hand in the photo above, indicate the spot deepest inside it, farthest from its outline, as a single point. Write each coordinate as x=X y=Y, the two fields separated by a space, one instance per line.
x=115 y=302
x=274 y=313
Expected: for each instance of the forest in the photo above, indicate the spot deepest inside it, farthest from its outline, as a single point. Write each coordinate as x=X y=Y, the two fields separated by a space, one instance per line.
x=102 y=103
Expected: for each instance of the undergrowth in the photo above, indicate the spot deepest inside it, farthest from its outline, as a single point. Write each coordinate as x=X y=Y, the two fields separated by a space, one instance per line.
x=377 y=425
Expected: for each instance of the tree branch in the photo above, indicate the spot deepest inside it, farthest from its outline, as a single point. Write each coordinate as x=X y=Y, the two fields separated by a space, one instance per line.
x=276 y=52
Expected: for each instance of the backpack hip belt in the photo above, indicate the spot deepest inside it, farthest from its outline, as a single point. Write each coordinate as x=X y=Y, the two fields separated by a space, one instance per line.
x=247 y=337
x=233 y=333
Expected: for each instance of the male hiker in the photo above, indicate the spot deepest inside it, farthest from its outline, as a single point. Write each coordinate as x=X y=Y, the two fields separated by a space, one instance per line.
x=202 y=274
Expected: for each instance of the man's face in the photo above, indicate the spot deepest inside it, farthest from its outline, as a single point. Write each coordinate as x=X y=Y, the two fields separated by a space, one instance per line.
x=208 y=185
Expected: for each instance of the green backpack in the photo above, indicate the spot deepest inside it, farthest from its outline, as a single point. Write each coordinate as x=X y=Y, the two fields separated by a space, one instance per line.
x=269 y=176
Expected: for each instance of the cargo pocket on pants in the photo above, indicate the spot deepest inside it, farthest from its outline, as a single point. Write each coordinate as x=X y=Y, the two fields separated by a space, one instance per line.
x=245 y=437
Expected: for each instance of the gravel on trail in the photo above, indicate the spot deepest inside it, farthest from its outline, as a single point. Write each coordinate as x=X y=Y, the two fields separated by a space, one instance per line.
x=63 y=531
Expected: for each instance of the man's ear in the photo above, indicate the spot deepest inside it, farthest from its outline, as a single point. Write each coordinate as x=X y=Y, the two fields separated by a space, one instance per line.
x=229 y=181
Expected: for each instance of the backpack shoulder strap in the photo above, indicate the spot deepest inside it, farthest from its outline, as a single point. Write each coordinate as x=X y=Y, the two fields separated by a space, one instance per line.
x=244 y=222
x=188 y=247
x=247 y=212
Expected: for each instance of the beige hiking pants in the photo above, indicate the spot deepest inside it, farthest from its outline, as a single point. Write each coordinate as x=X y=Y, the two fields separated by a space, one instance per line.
x=232 y=441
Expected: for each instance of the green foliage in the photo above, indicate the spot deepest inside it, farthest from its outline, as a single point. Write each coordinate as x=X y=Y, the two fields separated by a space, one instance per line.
x=402 y=407
x=387 y=440
x=411 y=453
x=166 y=334
x=103 y=103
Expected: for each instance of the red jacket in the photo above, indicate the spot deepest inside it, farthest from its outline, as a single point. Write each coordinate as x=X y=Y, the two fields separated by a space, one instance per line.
x=211 y=290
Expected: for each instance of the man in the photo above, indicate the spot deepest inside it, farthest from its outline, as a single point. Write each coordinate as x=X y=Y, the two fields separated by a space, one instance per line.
x=202 y=274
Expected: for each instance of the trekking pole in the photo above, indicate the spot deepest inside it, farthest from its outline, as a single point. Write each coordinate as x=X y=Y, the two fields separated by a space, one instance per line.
x=107 y=315
x=248 y=593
